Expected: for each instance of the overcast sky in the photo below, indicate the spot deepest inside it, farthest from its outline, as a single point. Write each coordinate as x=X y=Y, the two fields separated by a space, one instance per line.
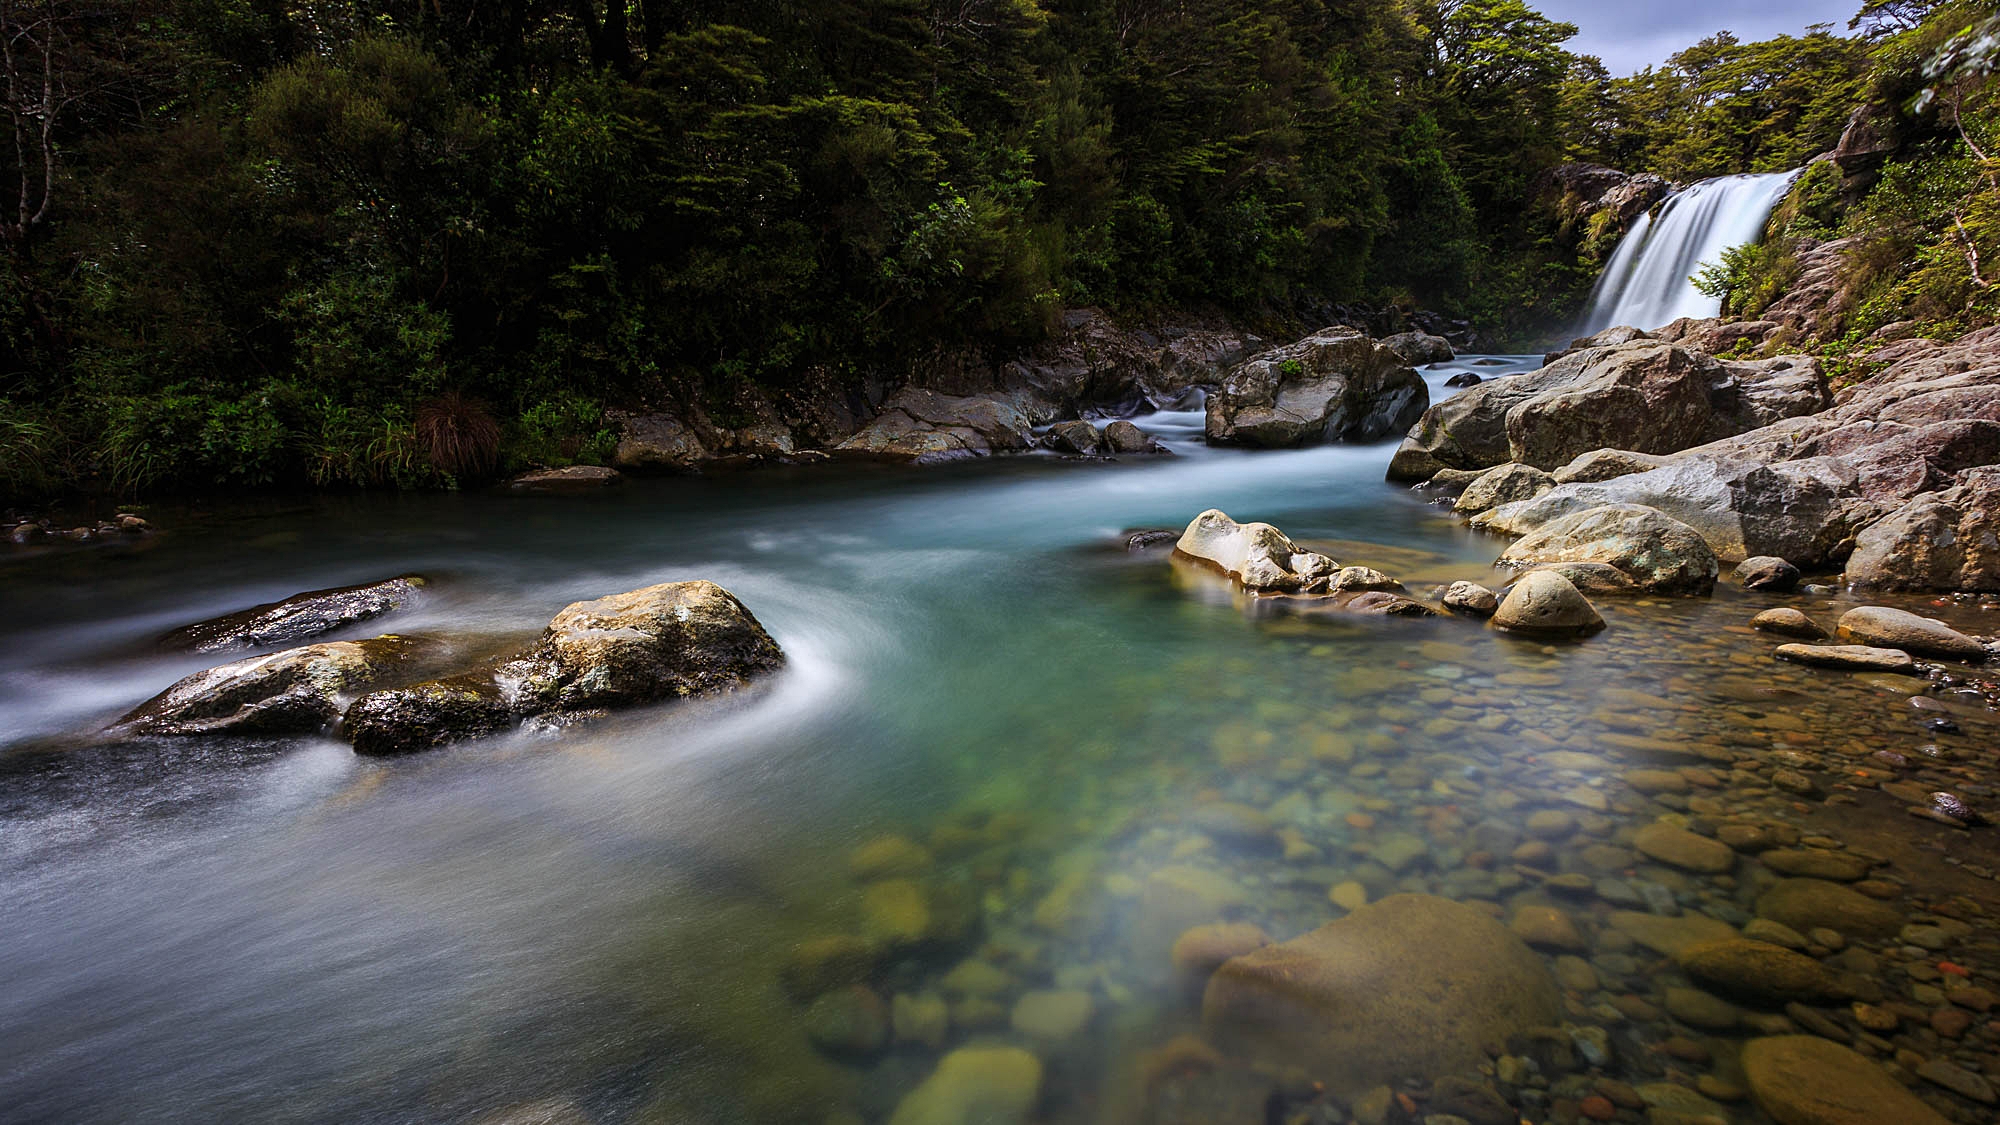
x=1630 y=34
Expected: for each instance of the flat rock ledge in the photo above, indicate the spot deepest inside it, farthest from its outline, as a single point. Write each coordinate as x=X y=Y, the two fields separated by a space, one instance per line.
x=1856 y=658
x=298 y=618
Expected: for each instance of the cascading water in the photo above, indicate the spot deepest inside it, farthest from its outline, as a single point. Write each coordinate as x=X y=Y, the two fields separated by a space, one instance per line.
x=1648 y=281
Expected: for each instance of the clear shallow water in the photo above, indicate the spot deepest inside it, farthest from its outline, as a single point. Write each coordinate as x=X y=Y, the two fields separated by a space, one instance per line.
x=283 y=931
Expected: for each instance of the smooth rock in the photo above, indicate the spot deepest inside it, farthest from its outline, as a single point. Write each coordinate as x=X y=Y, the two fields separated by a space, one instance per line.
x=975 y=1086
x=1806 y=904
x=1255 y=554
x=1681 y=848
x=1807 y=1080
x=297 y=691
x=1546 y=602
x=1412 y=986
x=1502 y=484
x=1123 y=437
x=1335 y=385
x=1074 y=437
x=1761 y=973
x=1883 y=627
x=1787 y=622
x=1767 y=572
x=1853 y=658
x=1471 y=599
x=1818 y=863
x=1656 y=552
x=1052 y=1015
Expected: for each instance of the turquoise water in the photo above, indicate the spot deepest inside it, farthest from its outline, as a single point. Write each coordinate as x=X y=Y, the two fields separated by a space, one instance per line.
x=279 y=930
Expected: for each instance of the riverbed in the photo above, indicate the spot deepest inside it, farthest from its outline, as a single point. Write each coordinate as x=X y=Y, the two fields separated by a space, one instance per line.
x=982 y=683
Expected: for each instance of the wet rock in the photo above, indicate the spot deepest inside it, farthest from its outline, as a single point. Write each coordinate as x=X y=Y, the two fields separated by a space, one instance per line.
x=574 y=478
x=1787 y=622
x=1052 y=1016
x=1546 y=602
x=1545 y=927
x=1336 y=385
x=1806 y=904
x=1145 y=538
x=1606 y=464
x=1450 y=482
x=1419 y=348
x=904 y=914
x=1255 y=554
x=1646 y=395
x=299 y=617
x=428 y=715
x=1767 y=572
x=297 y=691
x=1412 y=986
x=1362 y=578
x=1761 y=973
x=1502 y=484
x=1817 y=863
x=1464 y=379
x=922 y=425
x=975 y=1086
x=670 y=641
x=1074 y=437
x=1806 y=1080
x=1382 y=603
x=1670 y=935
x=1233 y=821
x=1895 y=628
x=887 y=857
x=1124 y=438
x=821 y=964
x=920 y=1018
x=1471 y=599
x=1957 y=1079
x=1656 y=552
x=1853 y=658
x=847 y=1023
x=1681 y=848
x=1696 y=1008
x=1202 y=949
x=1777 y=933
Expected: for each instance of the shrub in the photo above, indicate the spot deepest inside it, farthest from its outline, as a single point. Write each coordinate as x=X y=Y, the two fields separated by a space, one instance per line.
x=458 y=437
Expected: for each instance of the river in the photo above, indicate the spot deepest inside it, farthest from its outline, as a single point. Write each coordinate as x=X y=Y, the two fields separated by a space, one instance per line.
x=593 y=923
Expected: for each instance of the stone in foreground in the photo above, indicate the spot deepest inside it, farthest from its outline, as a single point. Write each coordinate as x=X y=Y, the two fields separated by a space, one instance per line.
x=1255 y=554
x=1854 y=658
x=297 y=618
x=975 y=1086
x=1658 y=553
x=1546 y=602
x=1895 y=628
x=297 y=691
x=1411 y=987
x=1807 y=1080
x=1787 y=622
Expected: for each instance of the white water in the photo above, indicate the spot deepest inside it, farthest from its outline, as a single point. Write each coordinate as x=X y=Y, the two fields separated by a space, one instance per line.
x=1648 y=283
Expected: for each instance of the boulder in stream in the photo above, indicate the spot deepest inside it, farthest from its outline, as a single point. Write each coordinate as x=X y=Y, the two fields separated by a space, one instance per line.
x=296 y=691
x=1255 y=554
x=1419 y=348
x=1546 y=602
x=1656 y=552
x=299 y=617
x=1335 y=385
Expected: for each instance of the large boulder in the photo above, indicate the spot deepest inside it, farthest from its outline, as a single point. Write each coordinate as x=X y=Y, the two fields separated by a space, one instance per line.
x=1655 y=551
x=1807 y=1080
x=1413 y=987
x=924 y=425
x=1419 y=348
x=1335 y=385
x=657 y=443
x=670 y=641
x=1502 y=484
x=1255 y=554
x=297 y=691
x=1808 y=904
x=1646 y=395
x=1803 y=511
x=1946 y=540
x=297 y=618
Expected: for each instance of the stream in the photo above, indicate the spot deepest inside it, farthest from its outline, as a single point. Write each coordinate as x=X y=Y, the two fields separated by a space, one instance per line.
x=592 y=925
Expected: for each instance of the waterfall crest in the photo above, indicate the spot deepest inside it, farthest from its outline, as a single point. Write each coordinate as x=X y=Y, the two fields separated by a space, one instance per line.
x=1647 y=282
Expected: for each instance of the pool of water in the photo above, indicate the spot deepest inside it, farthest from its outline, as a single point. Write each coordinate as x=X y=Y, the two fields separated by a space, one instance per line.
x=598 y=925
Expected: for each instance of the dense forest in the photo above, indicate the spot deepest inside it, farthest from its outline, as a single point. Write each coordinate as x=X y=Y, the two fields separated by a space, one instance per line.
x=417 y=242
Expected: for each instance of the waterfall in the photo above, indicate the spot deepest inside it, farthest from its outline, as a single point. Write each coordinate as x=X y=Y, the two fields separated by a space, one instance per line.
x=1646 y=284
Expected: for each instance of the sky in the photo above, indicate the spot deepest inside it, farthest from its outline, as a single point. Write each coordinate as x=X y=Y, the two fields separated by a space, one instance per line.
x=1630 y=34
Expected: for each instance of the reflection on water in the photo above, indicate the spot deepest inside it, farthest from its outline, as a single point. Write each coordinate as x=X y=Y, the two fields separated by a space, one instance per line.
x=1008 y=761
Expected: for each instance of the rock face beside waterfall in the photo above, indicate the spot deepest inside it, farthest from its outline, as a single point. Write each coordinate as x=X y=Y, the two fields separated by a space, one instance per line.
x=1897 y=480
x=1645 y=396
x=1335 y=385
